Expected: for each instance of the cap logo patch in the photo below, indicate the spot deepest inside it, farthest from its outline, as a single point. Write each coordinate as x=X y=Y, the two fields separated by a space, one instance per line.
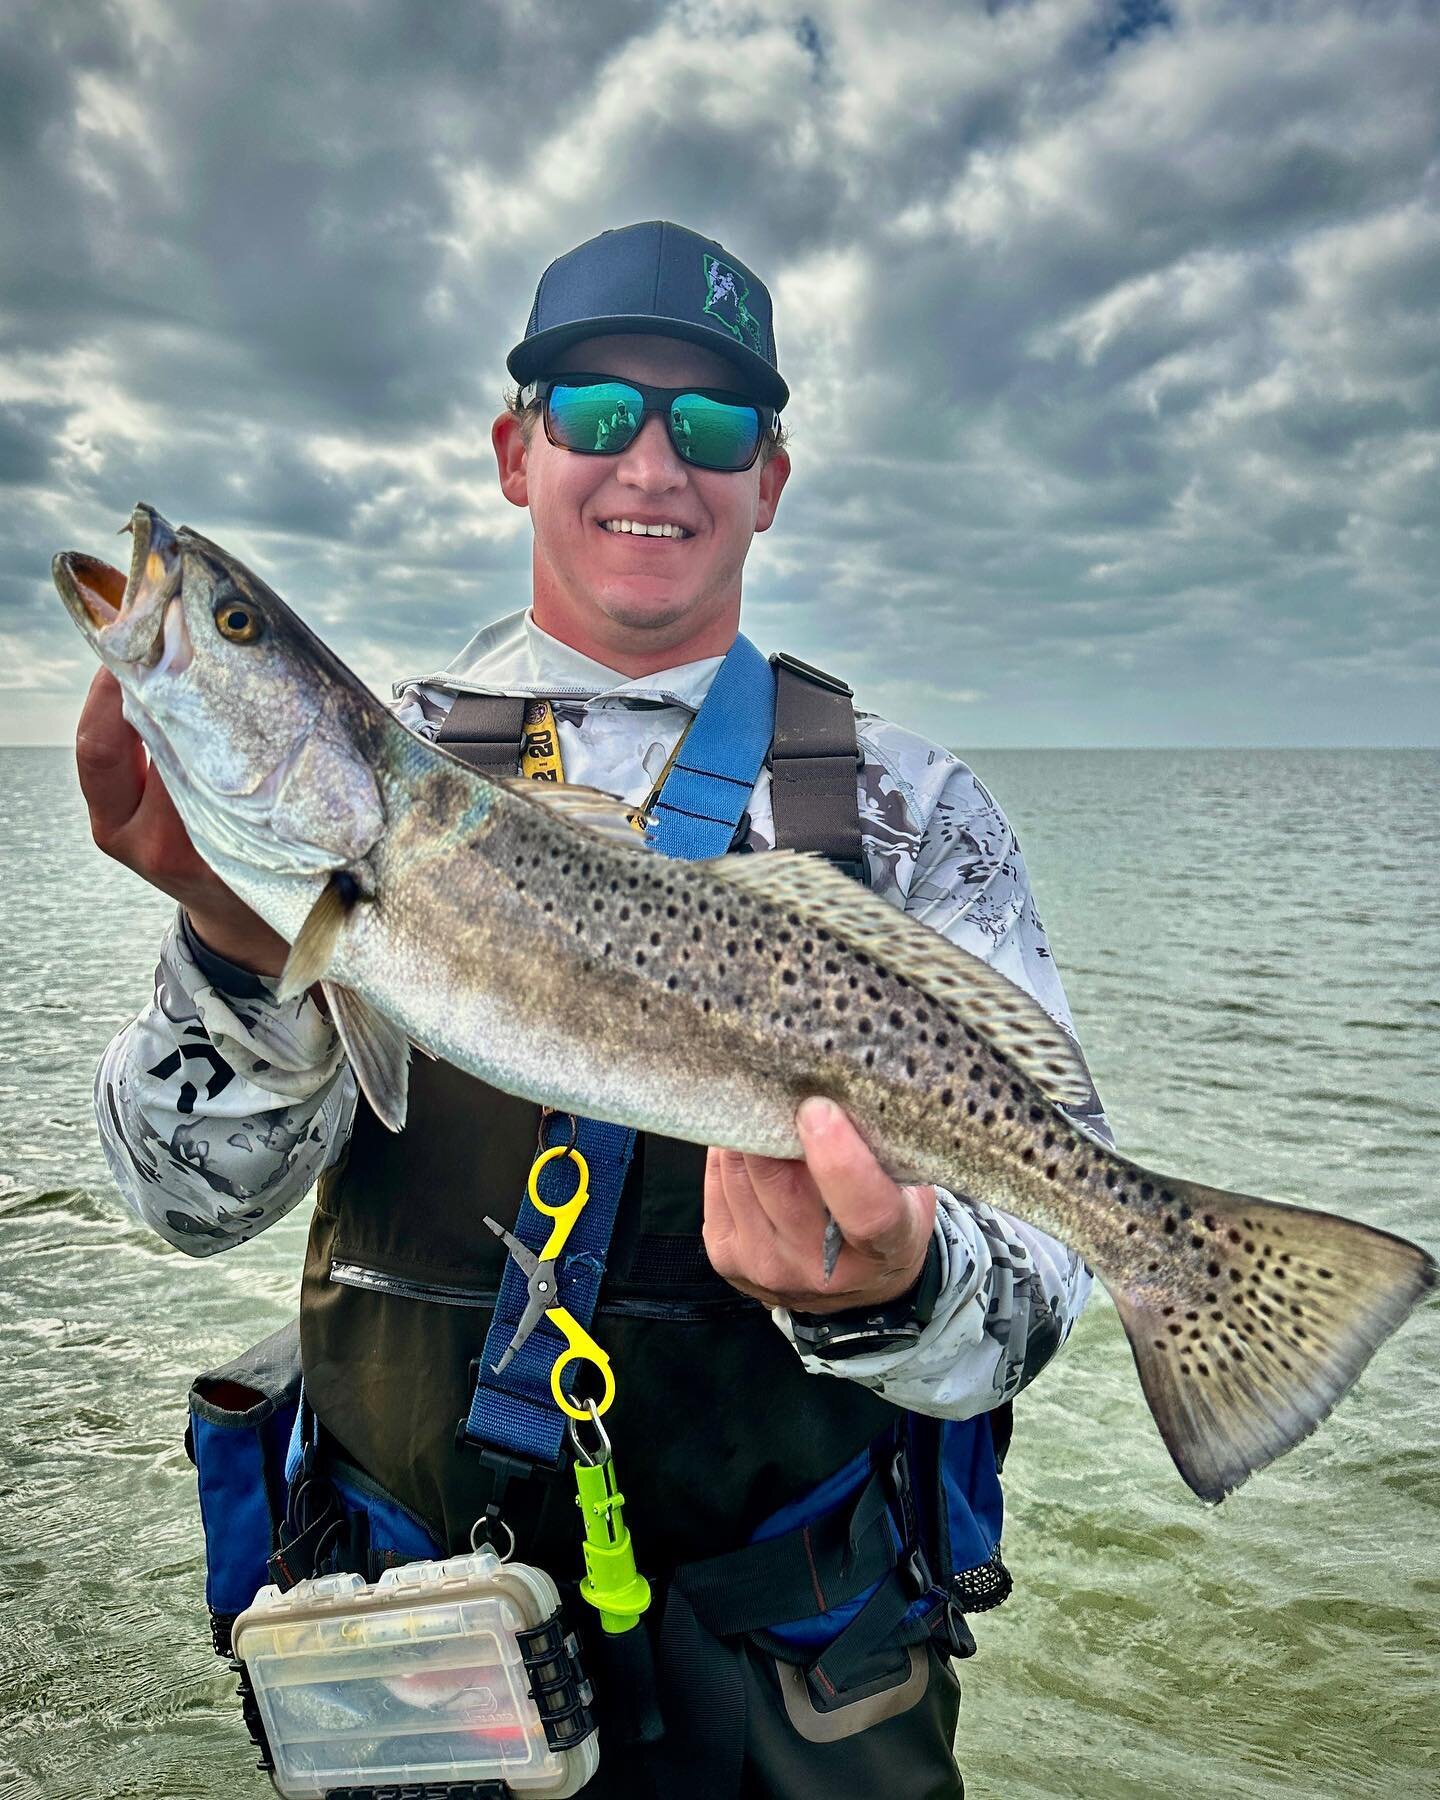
x=725 y=296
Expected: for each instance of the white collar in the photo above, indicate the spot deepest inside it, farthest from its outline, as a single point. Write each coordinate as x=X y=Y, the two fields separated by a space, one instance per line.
x=514 y=656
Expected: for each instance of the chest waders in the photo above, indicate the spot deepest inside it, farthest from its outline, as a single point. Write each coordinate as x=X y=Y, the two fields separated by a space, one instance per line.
x=801 y=1514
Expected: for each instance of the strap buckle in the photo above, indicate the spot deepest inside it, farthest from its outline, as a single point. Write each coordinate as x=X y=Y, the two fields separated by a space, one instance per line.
x=912 y=1563
x=808 y=672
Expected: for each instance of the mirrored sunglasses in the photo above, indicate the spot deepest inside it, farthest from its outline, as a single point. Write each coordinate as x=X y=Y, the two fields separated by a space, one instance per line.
x=599 y=415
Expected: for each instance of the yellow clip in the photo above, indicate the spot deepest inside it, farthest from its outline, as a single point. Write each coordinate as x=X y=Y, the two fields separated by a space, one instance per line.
x=579 y=1347
x=568 y=1211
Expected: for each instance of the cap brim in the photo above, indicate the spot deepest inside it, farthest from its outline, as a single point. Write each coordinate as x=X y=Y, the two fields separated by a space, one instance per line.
x=532 y=358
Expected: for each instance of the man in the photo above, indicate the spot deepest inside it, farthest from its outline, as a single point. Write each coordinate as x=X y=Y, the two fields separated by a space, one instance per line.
x=937 y=1304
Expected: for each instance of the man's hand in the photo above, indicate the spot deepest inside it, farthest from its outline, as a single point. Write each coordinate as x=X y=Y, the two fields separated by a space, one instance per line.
x=133 y=819
x=765 y=1220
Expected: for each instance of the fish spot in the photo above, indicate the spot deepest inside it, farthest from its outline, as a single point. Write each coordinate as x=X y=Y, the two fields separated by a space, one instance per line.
x=1037 y=1113
x=946 y=1096
x=1009 y=1112
x=1147 y=1188
x=1213 y=1268
x=971 y=1108
x=995 y=1095
x=988 y=1116
x=654 y=940
x=1131 y=1228
x=863 y=1027
x=672 y=982
x=976 y=1072
x=1051 y=1170
x=1197 y=1243
x=788 y=977
x=897 y=1020
x=1169 y=1224
x=1027 y=1154
x=1111 y=1178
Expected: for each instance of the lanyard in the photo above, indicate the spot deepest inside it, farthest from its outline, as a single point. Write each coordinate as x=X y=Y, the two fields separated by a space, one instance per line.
x=703 y=798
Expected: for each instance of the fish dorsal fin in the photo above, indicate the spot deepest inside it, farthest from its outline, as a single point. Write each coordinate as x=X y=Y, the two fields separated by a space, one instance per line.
x=587 y=807
x=1014 y=1022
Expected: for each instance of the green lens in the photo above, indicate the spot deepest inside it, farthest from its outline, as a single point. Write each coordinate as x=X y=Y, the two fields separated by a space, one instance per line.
x=601 y=415
x=713 y=434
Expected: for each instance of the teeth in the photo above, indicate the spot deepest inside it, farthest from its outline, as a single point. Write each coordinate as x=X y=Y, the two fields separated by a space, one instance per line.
x=636 y=529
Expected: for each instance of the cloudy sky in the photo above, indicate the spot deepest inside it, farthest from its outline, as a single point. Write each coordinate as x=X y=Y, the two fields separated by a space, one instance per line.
x=1111 y=327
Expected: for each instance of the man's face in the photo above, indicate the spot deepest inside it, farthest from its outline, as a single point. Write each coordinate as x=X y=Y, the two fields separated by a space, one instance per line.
x=624 y=597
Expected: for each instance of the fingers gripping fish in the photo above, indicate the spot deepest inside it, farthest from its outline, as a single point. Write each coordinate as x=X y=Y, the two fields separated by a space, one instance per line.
x=526 y=934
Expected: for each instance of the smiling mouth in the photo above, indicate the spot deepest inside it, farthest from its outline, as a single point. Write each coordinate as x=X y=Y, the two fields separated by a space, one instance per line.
x=666 y=532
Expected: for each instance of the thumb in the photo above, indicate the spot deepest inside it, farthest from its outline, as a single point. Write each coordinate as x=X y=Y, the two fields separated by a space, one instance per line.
x=109 y=758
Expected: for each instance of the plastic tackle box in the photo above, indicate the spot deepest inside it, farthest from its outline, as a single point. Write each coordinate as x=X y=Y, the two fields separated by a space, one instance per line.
x=448 y=1671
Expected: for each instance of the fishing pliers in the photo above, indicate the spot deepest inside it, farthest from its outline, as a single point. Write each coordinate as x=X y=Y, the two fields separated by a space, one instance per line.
x=542 y=1282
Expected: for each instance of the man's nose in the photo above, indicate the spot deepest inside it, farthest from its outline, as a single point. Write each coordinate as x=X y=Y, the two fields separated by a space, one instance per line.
x=649 y=462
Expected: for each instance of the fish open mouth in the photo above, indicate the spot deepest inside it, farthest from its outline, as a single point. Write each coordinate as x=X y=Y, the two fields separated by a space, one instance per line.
x=129 y=619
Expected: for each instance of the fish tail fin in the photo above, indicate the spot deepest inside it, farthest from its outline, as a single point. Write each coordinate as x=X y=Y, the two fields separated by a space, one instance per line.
x=1289 y=1308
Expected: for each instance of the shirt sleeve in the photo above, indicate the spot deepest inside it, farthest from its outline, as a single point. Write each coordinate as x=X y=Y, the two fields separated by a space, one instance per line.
x=219 y=1105
x=1010 y=1292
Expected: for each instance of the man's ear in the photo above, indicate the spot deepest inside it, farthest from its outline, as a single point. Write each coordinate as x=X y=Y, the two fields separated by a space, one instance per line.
x=513 y=458
x=772 y=480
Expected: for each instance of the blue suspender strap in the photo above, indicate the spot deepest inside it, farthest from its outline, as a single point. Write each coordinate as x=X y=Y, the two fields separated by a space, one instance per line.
x=515 y=1410
x=700 y=805
x=712 y=778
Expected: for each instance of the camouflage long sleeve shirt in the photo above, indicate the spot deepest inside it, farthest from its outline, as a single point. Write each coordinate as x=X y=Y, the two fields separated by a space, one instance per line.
x=219 y=1106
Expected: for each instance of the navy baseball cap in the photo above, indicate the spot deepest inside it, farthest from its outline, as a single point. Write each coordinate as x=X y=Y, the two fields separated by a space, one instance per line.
x=660 y=278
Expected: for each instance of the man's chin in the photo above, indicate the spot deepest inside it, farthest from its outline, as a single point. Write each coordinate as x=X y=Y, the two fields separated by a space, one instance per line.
x=650 y=615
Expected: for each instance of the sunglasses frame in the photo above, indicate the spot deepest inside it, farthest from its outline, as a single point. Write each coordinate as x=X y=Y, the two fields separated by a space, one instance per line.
x=652 y=400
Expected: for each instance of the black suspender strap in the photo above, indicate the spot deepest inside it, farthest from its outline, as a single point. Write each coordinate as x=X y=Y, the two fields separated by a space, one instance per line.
x=813 y=757
x=484 y=730
x=813 y=765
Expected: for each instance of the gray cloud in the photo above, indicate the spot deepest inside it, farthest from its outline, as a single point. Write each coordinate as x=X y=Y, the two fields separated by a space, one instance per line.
x=1110 y=324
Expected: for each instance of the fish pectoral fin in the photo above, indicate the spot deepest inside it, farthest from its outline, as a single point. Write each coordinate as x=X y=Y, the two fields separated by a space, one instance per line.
x=314 y=947
x=1286 y=1310
x=587 y=807
x=1014 y=1021
x=379 y=1052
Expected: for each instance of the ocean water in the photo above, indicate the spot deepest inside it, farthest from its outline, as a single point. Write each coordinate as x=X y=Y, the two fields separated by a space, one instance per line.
x=1249 y=941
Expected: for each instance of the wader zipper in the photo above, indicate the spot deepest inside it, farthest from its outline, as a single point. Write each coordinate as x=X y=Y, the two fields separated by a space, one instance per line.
x=442 y=1293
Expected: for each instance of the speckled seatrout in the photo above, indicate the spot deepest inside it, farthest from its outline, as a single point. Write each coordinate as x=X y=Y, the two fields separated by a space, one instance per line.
x=527 y=934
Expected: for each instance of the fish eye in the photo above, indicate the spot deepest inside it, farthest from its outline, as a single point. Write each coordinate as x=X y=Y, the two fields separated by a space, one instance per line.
x=239 y=621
